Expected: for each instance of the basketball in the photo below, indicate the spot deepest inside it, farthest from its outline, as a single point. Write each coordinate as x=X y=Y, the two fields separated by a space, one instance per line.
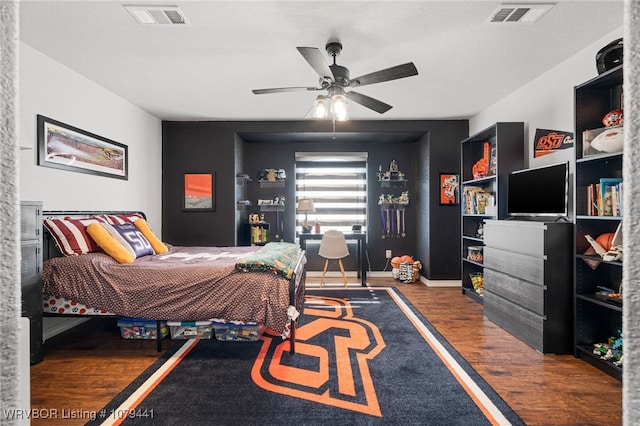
x=406 y=258
x=605 y=240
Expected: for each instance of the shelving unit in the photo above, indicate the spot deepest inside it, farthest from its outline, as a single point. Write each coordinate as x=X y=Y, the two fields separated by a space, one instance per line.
x=258 y=233
x=506 y=154
x=393 y=208
x=243 y=180
x=278 y=209
x=596 y=319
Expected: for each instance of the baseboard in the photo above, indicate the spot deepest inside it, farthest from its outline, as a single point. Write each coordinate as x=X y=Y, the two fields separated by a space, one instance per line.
x=386 y=274
x=379 y=274
x=332 y=274
x=441 y=283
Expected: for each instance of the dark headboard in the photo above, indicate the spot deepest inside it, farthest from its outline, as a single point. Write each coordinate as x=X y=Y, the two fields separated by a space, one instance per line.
x=49 y=247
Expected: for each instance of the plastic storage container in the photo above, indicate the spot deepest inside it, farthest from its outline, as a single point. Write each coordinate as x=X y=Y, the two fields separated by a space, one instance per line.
x=237 y=331
x=137 y=328
x=190 y=329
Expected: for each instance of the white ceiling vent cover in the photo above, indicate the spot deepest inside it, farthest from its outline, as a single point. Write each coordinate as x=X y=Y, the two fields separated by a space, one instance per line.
x=524 y=13
x=158 y=15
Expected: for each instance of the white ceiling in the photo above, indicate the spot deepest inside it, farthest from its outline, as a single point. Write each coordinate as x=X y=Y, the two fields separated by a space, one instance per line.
x=206 y=71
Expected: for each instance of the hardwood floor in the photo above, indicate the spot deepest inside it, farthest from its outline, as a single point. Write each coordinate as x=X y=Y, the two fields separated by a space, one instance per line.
x=83 y=370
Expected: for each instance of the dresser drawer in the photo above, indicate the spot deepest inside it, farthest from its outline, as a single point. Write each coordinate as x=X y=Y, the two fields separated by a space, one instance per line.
x=526 y=267
x=523 y=293
x=526 y=238
x=518 y=321
x=30 y=220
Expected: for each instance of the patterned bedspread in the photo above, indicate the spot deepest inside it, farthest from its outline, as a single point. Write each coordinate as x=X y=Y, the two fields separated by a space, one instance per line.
x=185 y=284
x=277 y=257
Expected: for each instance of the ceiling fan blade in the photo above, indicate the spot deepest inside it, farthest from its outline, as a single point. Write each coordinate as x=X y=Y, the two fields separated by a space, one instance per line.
x=369 y=102
x=314 y=57
x=393 y=73
x=284 y=89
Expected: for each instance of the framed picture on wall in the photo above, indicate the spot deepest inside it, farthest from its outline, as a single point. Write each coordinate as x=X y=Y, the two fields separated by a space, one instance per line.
x=449 y=189
x=65 y=147
x=199 y=192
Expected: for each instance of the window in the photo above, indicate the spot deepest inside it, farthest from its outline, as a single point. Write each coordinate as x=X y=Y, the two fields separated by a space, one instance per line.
x=337 y=184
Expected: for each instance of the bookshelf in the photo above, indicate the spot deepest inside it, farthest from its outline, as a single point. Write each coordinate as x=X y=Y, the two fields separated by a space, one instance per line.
x=598 y=210
x=486 y=161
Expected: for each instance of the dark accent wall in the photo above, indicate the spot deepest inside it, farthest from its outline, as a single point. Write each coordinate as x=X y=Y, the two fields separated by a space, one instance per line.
x=422 y=149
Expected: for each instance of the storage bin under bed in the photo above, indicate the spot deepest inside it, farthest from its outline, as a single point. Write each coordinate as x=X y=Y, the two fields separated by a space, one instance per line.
x=236 y=331
x=136 y=328
x=190 y=329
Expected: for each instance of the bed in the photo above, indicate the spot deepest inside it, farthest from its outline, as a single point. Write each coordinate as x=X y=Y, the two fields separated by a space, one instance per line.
x=263 y=284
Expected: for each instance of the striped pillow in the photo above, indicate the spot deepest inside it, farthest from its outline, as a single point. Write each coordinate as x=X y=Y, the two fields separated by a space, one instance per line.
x=71 y=235
x=121 y=219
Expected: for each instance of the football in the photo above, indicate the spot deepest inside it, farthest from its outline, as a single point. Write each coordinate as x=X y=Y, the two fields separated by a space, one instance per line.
x=611 y=140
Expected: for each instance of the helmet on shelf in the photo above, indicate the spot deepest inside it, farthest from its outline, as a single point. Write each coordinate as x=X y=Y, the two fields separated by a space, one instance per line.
x=609 y=56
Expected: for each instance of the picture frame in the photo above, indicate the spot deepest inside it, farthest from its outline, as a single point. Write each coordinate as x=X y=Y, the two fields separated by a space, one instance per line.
x=65 y=147
x=198 y=190
x=449 y=189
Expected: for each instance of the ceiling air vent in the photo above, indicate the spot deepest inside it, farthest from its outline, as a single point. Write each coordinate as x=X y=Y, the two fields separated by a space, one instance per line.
x=526 y=13
x=158 y=15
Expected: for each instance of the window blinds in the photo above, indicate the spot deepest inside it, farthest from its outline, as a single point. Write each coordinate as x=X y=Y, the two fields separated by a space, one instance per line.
x=337 y=184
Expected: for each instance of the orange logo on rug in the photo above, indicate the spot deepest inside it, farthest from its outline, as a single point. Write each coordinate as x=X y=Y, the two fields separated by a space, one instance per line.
x=310 y=374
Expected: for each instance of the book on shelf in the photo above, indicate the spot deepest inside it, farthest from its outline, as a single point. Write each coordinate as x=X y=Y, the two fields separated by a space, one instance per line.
x=605 y=197
x=476 y=199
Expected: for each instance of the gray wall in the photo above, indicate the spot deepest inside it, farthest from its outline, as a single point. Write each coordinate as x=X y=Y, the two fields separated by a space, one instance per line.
x=422 y=149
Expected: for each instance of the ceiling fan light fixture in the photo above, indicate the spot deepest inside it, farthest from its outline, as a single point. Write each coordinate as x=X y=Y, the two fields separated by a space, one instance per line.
x=336 y=78
x=339 y=107
x=320 y=107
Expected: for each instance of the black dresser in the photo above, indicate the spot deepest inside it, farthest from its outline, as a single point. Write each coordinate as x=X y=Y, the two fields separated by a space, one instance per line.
x=528 y=281
x=31 y=276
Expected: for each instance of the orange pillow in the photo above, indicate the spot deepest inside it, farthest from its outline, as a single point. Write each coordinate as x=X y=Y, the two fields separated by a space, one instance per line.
x=158 y=246
x=109 y=244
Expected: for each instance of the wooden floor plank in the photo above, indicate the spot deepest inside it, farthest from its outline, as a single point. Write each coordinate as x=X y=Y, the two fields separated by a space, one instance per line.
x=85 y=369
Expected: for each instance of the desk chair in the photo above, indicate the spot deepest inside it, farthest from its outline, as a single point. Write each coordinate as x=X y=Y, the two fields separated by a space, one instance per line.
x=333 y=246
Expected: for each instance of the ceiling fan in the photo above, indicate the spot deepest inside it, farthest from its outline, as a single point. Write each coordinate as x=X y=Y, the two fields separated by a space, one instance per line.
x=336 y=78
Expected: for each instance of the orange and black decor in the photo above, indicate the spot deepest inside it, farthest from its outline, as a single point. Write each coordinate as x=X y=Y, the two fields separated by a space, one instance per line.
x=363 y=356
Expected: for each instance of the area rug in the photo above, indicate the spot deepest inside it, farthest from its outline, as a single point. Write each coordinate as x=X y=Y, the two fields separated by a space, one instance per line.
x=363 y=357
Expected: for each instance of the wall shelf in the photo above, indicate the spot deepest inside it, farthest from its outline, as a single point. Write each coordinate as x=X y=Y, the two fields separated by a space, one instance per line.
x=242 y=179
x=400 y=183
x=271 y=207
x=272 y=183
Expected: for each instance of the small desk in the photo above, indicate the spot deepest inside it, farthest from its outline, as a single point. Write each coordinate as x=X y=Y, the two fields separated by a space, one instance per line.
x=360 y=237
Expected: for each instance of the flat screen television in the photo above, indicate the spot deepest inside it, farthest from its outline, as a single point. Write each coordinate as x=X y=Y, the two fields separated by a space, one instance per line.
x=540 y=191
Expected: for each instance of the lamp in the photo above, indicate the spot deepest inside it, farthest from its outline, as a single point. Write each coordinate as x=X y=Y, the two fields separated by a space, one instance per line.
x=306 y=205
